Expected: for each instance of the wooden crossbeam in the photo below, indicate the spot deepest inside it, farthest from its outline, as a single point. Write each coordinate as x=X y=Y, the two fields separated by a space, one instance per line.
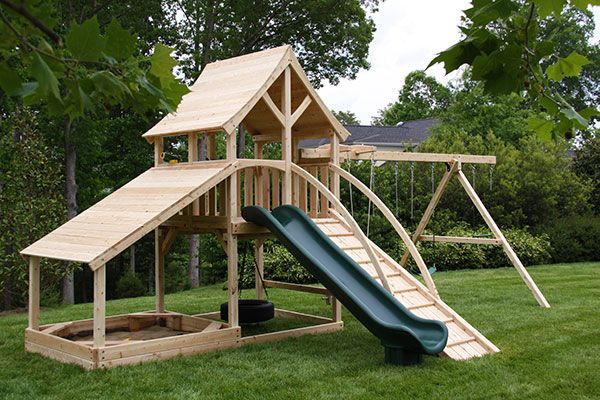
x=362 y=152
x=300 y=110
x=276 y=112
x=459 y=239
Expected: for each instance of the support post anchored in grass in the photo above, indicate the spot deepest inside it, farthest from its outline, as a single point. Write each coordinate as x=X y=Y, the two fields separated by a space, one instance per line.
x=514 y=259
x=159 y=271
x=100 y=306
x=34 y=293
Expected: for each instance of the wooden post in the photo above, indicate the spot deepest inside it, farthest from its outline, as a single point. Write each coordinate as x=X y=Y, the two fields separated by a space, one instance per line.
x=34 y=293
x=335 y=160
x=435 y=199
x=211 y=152
x=500 y=236
x=232 y=250
x=286 y=135
x=295 y=178
x=100 y=306
x=258 y=194
x=193 y=156
x=336 y=306
x=159 y=147
x=260 y=269
x=159 y=272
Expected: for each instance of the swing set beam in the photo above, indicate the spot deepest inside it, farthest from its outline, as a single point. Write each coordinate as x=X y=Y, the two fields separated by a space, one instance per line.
x=362 y=152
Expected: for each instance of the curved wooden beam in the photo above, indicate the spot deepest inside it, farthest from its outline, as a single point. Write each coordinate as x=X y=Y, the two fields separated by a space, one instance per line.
x=349 y=220
x=392 y=220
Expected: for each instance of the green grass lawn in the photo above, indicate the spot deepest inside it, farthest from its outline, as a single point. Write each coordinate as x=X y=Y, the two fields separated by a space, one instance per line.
x=546 y=353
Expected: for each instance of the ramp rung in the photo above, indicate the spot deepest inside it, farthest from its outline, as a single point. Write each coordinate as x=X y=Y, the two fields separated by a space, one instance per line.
x=357 y=247
x=338 y=234
x=404 y=290
x=427 y=304
x=461 y=341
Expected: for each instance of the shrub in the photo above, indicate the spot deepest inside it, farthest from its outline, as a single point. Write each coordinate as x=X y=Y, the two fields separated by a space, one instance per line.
x=129 y=285
x=176 y=274
x=575 y=238
x=531 y=249
x=282 y=266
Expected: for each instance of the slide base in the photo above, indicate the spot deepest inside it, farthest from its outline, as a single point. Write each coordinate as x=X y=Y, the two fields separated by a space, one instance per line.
x=400 y=356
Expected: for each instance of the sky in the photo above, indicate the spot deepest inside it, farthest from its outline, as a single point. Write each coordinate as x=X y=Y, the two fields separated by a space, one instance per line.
x=409 y=34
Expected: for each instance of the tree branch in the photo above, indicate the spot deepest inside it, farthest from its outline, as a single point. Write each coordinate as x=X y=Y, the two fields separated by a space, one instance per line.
x=22 y=10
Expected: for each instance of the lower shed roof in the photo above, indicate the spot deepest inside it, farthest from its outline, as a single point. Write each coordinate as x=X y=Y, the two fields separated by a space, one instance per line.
x=126 y=215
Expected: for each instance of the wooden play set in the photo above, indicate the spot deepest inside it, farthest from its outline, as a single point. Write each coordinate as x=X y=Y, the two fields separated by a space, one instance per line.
x=269 y=94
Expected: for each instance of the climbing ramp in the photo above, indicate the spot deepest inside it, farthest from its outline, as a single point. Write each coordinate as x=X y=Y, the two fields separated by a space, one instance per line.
x=464 y=341
x=123 y=217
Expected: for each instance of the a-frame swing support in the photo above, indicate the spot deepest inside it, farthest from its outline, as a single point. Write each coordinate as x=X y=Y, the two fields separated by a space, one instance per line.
x=454 y=163
x=455 y=169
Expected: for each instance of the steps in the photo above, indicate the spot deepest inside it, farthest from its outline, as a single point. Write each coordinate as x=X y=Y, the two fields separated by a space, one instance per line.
x=464 y=341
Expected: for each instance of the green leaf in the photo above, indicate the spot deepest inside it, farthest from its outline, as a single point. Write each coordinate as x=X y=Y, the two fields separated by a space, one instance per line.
x=578 y=120
x=481 y=14
x=47 y=82
x=589 y=112
x=10 y=81
x=120 y=44
x=107 y=84
x=455 y=56
x=569 y=66
x=162 y=64
x=547 y=7
x=549 y=105
x=583 y=4
x=85 y=41
x=544 y=48
x=541 y=126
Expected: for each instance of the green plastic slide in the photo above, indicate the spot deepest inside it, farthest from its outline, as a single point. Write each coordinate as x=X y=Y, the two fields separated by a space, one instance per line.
x=404 y=335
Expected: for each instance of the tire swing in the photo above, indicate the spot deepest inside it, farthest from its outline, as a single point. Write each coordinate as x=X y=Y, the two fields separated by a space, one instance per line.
x=250 y=311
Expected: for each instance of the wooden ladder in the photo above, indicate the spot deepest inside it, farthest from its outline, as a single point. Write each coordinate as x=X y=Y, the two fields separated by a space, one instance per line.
x=464 y=341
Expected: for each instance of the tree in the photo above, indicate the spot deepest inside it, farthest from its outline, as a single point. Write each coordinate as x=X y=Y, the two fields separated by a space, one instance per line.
x=331 y=39
x=573 y=30
x=31 y=204
x=346 y=117
x=587 y=165
x=421 y=96
x=476 y=112
x=502 y=46
x=75 y=68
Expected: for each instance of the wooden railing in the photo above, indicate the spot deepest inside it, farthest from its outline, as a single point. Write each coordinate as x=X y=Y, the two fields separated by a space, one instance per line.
x=377 y=202
x=260 y=183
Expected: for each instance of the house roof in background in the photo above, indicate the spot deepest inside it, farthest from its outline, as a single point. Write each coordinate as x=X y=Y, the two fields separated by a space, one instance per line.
x=405 y=134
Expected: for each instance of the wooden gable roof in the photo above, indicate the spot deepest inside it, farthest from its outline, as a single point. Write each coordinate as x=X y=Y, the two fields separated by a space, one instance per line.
x=230 y=92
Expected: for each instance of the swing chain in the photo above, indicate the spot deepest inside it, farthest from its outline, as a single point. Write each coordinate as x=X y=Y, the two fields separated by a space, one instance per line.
x=396 y=174
x=371 y=186
x=491 y=173
x=474 y=170
x=432 y=179
x=412 y=191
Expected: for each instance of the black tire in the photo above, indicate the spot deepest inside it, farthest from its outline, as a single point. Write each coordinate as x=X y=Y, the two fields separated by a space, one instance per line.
x=251 y=311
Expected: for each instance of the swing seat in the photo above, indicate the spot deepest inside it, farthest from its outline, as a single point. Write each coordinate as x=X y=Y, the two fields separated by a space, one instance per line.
x=251 y=311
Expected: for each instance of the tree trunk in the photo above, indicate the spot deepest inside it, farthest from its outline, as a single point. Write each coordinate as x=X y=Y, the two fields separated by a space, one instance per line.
x=207 y=38
x=194 y=261
x=132 y=259
x=194 y=249
x=241 y=141
x=71 y=199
